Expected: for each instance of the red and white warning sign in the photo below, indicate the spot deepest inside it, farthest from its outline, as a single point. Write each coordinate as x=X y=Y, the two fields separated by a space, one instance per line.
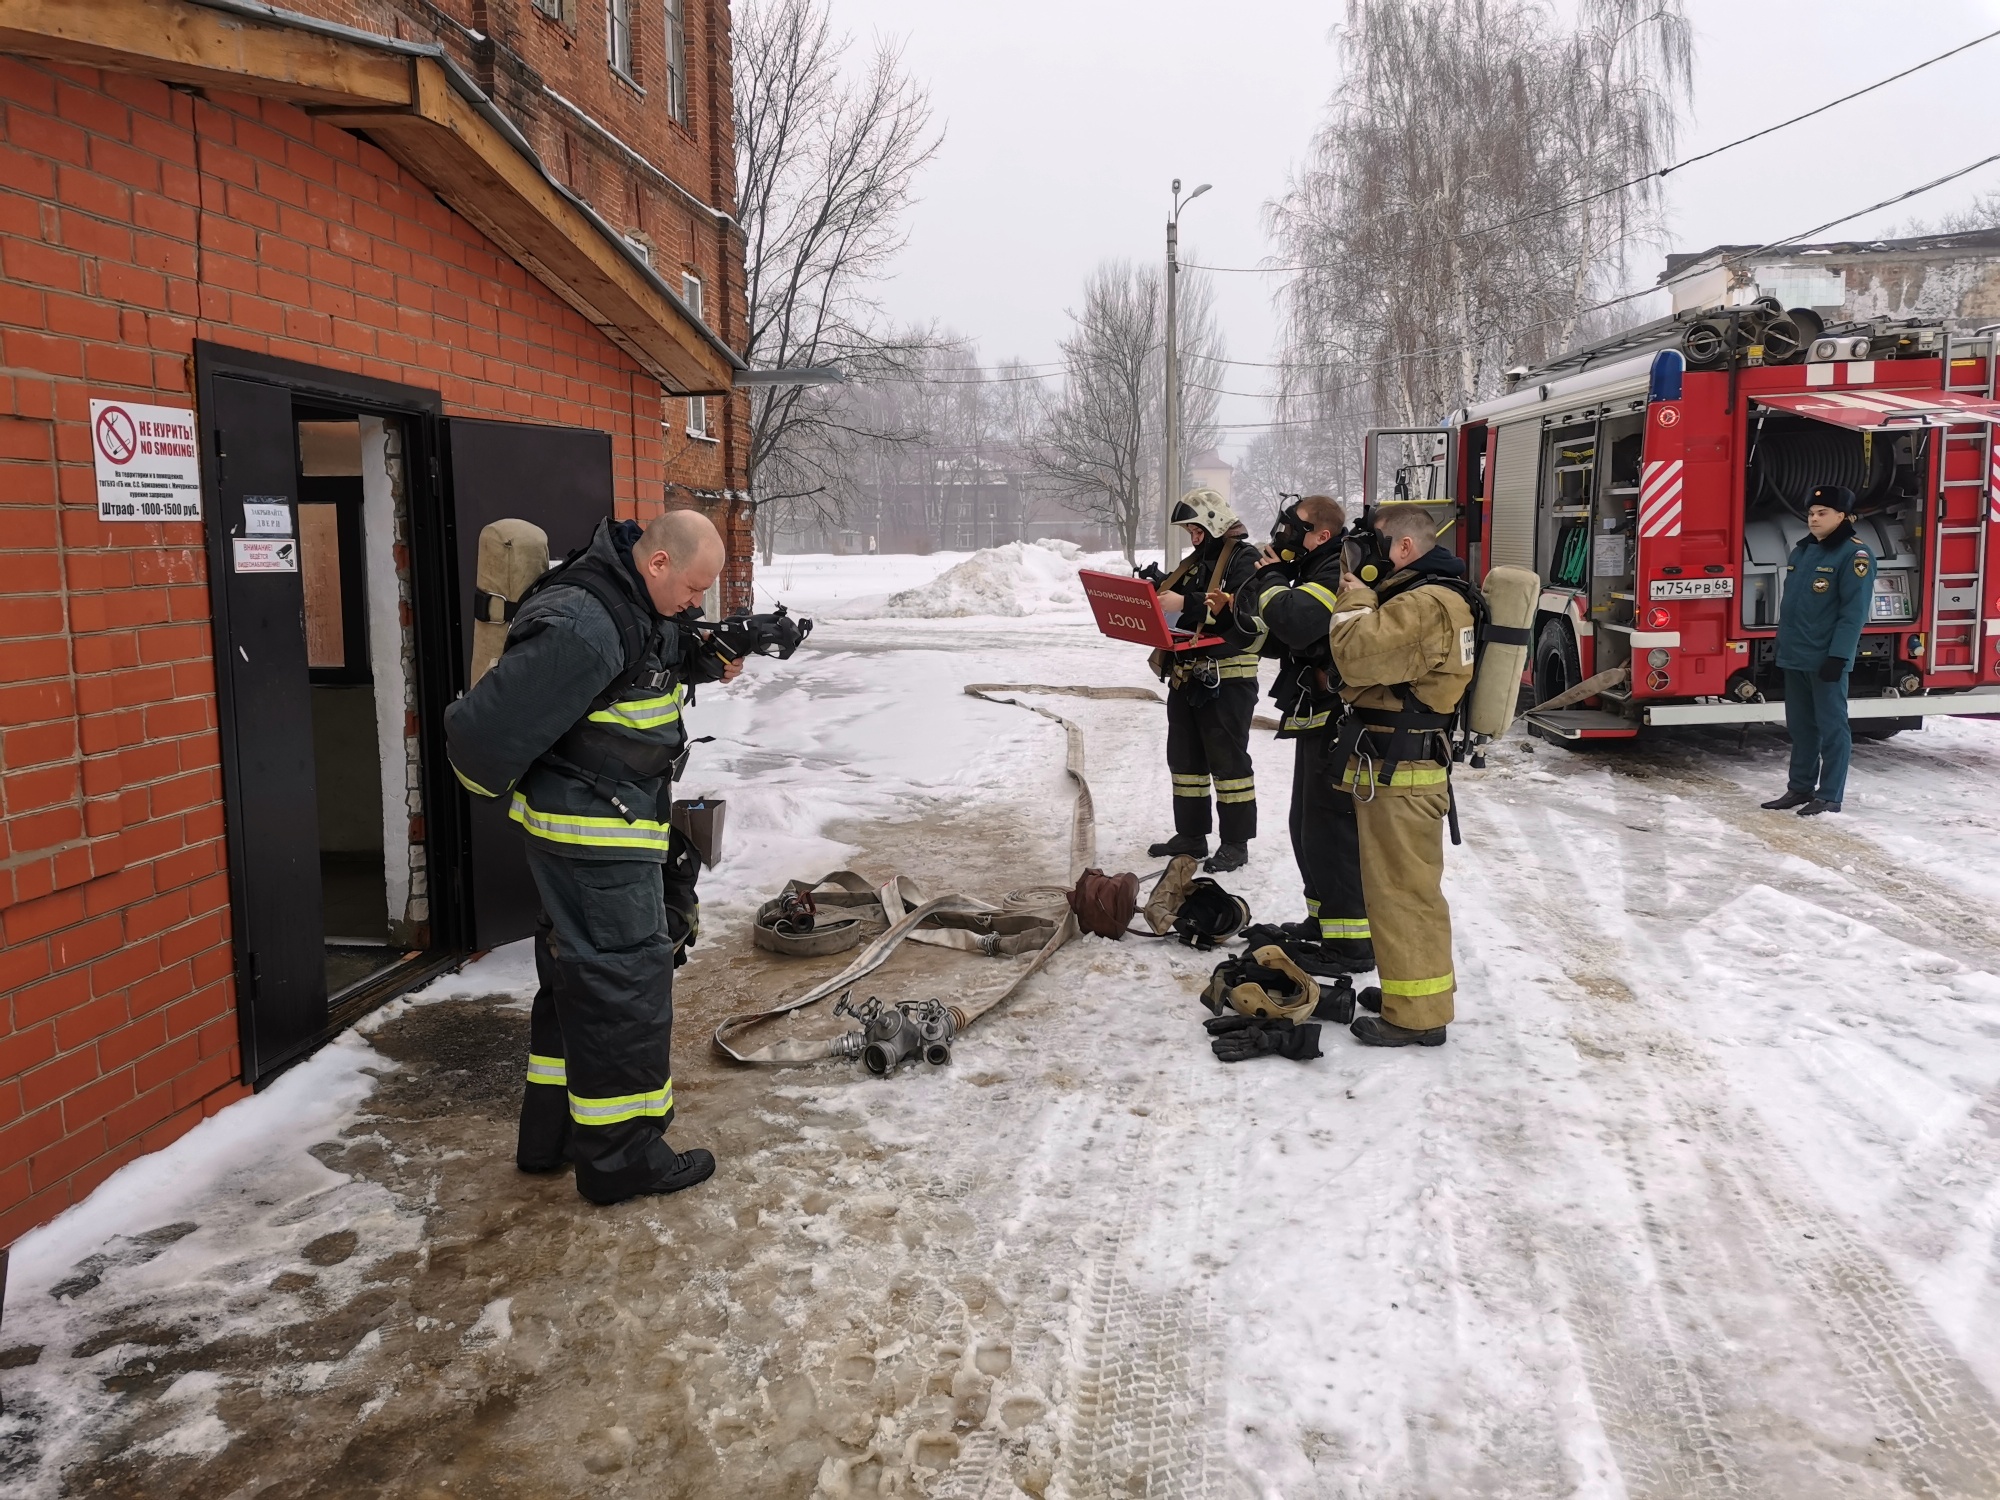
x=148 y=462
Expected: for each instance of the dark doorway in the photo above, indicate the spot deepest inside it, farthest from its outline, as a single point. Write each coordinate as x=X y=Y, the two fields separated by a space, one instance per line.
x=329 y=572
x=560 y=479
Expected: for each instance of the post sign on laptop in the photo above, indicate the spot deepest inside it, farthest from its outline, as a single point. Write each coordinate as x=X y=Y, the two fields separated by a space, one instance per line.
x=1128 y=609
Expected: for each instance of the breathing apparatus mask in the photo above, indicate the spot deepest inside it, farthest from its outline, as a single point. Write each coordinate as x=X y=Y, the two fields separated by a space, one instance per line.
x=1288 y=534
x=1364 y=552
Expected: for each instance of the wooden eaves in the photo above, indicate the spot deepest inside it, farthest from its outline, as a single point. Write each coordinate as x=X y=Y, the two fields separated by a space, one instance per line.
x=418 y=106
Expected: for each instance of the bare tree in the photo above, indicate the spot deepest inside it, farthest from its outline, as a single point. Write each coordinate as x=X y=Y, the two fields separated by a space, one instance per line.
x=1479 y=178
x=825 y=162
x=1098 y=447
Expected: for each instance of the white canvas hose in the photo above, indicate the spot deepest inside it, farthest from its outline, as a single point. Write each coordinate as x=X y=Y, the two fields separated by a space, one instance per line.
x=1036 y=917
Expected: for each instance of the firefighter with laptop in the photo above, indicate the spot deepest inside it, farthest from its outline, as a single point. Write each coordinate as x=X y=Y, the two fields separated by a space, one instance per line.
x=1212 y=692
x=1404 y=638
x=1293 y=596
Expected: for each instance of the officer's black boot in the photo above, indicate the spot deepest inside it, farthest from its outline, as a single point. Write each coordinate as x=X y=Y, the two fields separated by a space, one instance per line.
x=1817 y=805
x=1228 y=857
x=1181 y=843
x=1786 y=803
x=1373 y=1031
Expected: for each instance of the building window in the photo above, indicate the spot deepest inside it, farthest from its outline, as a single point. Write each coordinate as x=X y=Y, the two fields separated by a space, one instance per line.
x=677 y=94
x=697 y=405
x=619 y=45
x=555 y=10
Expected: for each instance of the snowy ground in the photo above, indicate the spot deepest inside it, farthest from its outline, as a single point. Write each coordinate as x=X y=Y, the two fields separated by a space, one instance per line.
x=1702 y=1198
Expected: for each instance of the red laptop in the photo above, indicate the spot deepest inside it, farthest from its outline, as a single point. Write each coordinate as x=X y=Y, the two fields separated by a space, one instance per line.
x=1128 y=609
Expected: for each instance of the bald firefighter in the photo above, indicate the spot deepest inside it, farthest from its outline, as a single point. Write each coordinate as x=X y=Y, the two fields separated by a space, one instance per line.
x=1405 y=651
x=578 y=725
x=1293 y=596
x=1212 y=692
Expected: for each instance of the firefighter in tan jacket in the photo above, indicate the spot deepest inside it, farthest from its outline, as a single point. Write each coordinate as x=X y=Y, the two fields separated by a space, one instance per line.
x=1405 y=649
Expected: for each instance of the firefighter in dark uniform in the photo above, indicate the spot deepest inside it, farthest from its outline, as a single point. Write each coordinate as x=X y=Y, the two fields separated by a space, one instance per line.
x=1829 y=587
x=578 y=725
x=1293 y=597
x=1212 y=695
x=1405 y=651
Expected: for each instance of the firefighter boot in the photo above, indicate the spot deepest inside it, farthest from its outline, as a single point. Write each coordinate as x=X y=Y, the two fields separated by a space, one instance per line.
x=681 y=1169
x=1228 y=857
x=1373 y=1031
x=1792 y=798
x=1370 y=999
x=1181 y=843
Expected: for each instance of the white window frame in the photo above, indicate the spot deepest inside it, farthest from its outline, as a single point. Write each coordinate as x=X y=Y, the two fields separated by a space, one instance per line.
x=697 y=420
x=619 y=39
x=677 y=97
x=556 y=10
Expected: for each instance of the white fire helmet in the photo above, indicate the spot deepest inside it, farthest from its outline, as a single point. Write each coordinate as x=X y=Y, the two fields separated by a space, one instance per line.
x=1205 y=508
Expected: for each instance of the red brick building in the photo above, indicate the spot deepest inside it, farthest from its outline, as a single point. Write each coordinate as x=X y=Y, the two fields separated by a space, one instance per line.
x=336 y=282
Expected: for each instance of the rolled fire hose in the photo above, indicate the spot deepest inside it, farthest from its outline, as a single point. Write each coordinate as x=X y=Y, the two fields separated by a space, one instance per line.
x=1037 y=918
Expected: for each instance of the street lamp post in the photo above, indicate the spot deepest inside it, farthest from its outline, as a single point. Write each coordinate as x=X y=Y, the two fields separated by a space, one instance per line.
x=1170 y=467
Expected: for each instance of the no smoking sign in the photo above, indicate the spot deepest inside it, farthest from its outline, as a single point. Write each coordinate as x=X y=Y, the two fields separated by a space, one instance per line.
x=148 y=462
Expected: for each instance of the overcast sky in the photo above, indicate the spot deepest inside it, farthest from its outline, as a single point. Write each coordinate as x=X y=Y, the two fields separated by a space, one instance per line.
x=1066 y=121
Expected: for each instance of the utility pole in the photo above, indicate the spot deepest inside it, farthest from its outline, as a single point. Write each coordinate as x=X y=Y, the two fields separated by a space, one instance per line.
x=1170 y=466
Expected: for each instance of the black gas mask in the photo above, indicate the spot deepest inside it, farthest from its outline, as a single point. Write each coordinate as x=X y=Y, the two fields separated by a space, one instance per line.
x=1364 y=552
x=1288 y=534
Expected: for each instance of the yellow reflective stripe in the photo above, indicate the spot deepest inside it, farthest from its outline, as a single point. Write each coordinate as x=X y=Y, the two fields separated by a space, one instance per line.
x=1310 y=721
x=1409 y=989
x=603 y=833
x=1239 y=789
x=547 y=1070
x=1190 y=786
x=1270 y=593
x=1241 y=659
x=1238 y=672
x=1312 y=906
x=1234 y=783
x=1320 y=592
x=469 y=784
x=1344 y=927
x=617 y=1110
x=1232 y=797
x=1404 y=776
x=643 y=713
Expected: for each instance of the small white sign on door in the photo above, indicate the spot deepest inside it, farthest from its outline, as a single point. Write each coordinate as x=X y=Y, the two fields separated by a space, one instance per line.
x=267 y=515
x=257 y=556
x=148 y=462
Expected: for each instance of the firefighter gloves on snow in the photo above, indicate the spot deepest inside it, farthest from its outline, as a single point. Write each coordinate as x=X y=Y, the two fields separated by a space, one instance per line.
x=1239 y=1038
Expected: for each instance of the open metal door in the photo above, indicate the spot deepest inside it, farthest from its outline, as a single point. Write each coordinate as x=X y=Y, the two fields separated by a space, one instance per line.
x=265 y=703
x=560 y=479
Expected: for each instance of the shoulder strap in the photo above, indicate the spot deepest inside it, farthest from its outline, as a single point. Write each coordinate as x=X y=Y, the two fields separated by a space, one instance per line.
x=633 y=632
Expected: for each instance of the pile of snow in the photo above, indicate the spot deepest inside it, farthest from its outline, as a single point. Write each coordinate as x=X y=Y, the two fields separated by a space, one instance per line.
x=1021 y=578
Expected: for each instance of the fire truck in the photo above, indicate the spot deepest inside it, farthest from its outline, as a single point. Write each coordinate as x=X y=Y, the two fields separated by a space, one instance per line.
x=1657 y=481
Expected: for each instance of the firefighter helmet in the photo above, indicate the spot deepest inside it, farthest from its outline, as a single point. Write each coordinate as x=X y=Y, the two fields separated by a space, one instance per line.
x=1205 y=508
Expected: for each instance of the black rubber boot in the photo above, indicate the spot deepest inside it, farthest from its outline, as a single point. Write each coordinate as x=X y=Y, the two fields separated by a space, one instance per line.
x=1373 y=1031
x=1786 y=803
x=1301 y=932
x=1336 y=1002
x=688 y=1168
x=1228 y=857
x=1348 y=955
x=1370 y=1000
x=1181 y=843
x=1816 y=806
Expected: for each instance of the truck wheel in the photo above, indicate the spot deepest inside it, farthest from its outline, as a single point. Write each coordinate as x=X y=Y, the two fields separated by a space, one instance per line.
x=1557 y=668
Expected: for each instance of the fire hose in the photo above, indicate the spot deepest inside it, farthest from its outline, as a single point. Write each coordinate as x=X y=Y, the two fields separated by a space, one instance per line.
x=1037 y=918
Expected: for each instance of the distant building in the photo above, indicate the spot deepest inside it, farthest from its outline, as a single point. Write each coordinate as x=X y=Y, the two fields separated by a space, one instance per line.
x=1211 y=469
x=949 y=500
x=1955 y=277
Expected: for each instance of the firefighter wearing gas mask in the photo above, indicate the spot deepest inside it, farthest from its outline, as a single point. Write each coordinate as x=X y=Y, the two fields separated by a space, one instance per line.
x=1212 y=693
x=1293 y=596
x=578 y=725
x=1404 y=638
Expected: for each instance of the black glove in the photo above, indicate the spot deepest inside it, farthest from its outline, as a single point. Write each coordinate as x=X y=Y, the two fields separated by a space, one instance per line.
x=1831 y=669
x=1276 y=1037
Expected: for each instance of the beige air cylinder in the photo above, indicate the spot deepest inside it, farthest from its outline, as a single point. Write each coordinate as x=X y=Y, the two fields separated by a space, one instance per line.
x=512 y=555
x=1511 y=596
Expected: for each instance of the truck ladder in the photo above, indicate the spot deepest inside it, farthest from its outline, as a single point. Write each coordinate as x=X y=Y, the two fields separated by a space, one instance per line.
x=1958 y=594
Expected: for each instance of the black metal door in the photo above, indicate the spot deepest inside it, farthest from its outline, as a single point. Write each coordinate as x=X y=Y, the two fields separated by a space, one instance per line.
x=264 y=696
x=560 y=479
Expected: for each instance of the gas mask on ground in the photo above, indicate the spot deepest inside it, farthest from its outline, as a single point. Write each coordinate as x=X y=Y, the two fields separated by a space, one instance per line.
x=1365 y=553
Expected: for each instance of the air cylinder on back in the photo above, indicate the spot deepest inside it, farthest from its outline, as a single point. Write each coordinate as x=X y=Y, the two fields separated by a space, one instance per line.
x=1511 y=596
x=512 y=555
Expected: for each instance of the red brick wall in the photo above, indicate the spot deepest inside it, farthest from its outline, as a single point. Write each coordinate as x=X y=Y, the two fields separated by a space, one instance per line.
x=135 y=219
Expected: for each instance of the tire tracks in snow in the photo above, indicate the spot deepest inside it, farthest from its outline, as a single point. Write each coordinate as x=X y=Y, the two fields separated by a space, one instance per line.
x=1674 y=1358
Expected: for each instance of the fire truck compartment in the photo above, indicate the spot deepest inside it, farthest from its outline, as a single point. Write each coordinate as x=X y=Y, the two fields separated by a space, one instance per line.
x=1790 y=456
x=1582 y=724
x=1979 y=703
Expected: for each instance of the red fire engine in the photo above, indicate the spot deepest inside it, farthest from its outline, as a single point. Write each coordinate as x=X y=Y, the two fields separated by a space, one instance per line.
x=1658 y=500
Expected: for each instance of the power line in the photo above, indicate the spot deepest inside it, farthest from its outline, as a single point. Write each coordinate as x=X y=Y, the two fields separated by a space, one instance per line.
x=1564 y=207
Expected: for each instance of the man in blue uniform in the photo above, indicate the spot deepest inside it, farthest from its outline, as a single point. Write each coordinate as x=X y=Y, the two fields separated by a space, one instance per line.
x=578 y=725
x=1829 y=581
